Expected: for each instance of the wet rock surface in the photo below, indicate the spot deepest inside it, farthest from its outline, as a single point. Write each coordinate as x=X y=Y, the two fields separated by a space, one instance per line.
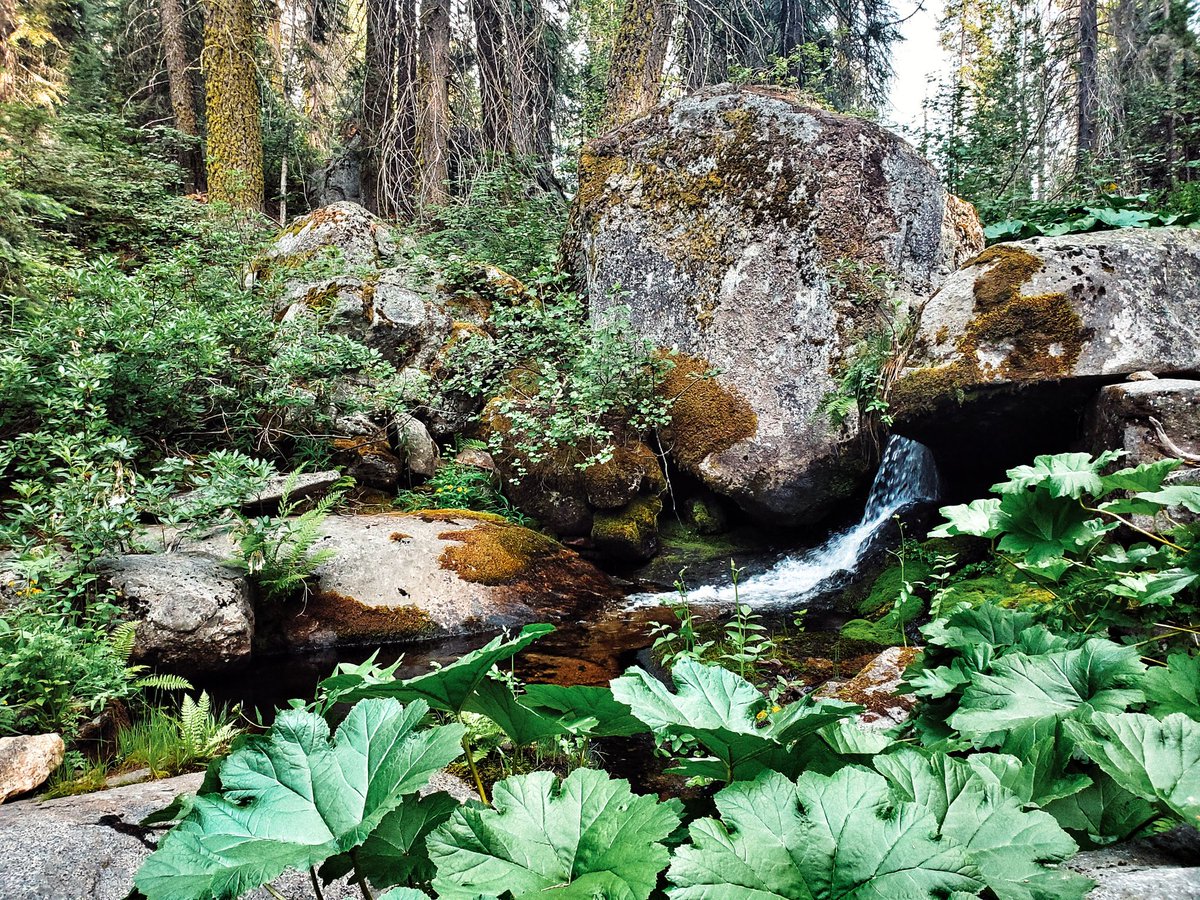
x=744 y=229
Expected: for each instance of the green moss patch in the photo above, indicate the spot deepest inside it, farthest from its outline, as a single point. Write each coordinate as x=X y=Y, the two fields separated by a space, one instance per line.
x=628 y=534
x=706 y=418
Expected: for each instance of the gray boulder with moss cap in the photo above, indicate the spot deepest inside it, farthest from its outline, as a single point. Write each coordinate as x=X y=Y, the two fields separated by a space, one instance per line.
x=1046 y=310
x=741 y=227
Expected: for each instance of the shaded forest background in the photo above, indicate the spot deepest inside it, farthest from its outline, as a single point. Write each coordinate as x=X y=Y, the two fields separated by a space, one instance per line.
x=410 y=106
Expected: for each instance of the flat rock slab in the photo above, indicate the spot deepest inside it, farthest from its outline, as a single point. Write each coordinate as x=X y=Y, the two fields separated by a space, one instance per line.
x=89 y=847
x=1140 y=871
x=1051 y=309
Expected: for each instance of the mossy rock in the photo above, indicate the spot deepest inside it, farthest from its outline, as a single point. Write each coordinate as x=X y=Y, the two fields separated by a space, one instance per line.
x=887 y=631
x=705 y=515
x=886 y=588
x=629 y=534
x=996 y=589
x=495 y=553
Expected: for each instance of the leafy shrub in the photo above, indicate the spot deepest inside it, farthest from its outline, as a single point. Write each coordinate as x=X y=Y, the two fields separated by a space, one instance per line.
x=1106 y=212
x=503 y=218
x=556 y=381
x=457 y=486
x=1056 y=521
x=55 y=672
x=810 y=801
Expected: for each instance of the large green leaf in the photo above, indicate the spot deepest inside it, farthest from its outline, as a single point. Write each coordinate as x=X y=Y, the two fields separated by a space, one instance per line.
x=1007 y=843
x=1153 y=588
x=727 y=716
x=988 y=623
x=1062 y=475
x=1103 y=812
x=1043 y=529
x=395 y=852
x=1175 y=687
x=1022 y=690
x=590 y=837
x=495 y=699
x=979 y=518
x=292 y=798
x=1032 y=763
x=1185 y=495
x=1155 y=760
x=450 y=687
x=584 y=709
x=1146 y=477
x=842 y=836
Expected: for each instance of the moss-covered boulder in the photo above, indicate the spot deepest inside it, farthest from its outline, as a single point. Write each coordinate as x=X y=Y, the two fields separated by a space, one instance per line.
x=629 y=534
x=361 y=238
x=1055 y=313
x=413 y=576
x=746 y=231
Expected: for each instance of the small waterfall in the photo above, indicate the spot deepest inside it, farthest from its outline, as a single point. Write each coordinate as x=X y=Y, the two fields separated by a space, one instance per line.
x=907 y=475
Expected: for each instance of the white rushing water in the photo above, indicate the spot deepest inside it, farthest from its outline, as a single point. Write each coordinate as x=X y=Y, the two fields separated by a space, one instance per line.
x=907 y=475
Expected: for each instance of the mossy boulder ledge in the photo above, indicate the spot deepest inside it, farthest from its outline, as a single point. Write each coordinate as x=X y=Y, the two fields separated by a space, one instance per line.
x=1057 y=312
x=743 y=229
x=406 y=577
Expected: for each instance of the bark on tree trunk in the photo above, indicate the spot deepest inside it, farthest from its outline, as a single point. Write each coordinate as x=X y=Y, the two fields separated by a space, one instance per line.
x=489 y=49
x=179 y=85
x=1088 y=79
x=235 y=154
x=389 y=108
x=635 y=73
x=433 y=121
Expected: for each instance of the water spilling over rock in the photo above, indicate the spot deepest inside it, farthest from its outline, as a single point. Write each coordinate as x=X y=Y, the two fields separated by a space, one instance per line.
x=907 y=476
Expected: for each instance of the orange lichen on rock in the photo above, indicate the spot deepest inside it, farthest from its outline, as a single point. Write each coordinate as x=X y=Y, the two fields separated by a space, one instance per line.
x=351 y=619
x=495 y=554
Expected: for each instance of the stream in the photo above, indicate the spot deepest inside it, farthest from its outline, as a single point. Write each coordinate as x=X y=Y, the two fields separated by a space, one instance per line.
x=596 y=649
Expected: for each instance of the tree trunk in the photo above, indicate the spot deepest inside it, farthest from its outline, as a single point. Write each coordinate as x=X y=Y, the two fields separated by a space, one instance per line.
x=8 y=55
x=433 y=120
x=179 y=84
x=635 y=73
x=489 y=50
x=235 y=153
x=389 y=108
x=695 y=45
x=1088 y=79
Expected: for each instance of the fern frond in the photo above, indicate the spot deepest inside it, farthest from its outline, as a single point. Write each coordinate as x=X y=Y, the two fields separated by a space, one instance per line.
x=122 y=639
x=164 y=683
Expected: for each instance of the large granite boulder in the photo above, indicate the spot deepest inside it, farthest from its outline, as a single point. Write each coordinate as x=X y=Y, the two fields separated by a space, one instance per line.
x=1075 y=308
x=193 y=610
x=398 y=577
x=383 y=311
x=361 y=238
x=751 y=233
